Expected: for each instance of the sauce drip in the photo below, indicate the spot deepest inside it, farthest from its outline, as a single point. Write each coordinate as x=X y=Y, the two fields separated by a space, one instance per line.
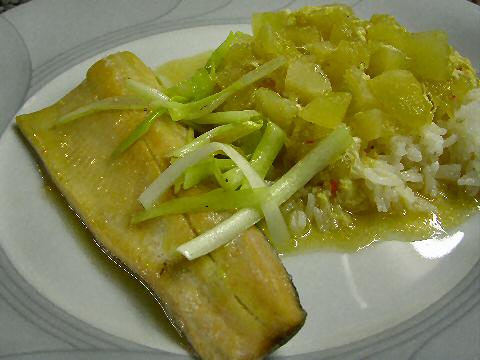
x=370 y=227
x=366 y=228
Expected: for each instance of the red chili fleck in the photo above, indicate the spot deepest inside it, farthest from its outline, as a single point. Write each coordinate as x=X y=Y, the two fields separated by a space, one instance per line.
x=334 y=187
x=309 y=141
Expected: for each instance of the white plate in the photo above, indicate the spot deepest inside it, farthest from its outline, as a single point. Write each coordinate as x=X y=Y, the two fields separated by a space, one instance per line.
x=57 y=295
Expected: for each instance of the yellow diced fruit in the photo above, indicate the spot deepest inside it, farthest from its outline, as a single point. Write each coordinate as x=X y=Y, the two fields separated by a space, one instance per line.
x=368 y=125
x=401 y=95
x=385 y=29
x=306 y=80
x=323 y=17
x=241 y=100
x=302 y=35
x=321 y=50
x=270 y=43
x=447 y=96
x=430 y=55
x=277 y=20
x=302 y=139
x=346 y=55
x=386 y=57
x=327 y=110
x=350 y=29
x=356 y=81
x=278 y=109
x=238 y=60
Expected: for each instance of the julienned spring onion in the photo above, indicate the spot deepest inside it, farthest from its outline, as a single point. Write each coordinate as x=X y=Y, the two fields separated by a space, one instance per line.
x=224 y=133
x=198 y=86
x=158 y=187
x=202 y=107
x=275 y=222
x=324 y=153
x=197 y=173
x=153 y=95
x=216 y=200
x=228 y=117
x=202 y=83
x=265 y=153
x=111 y=103
x=138 y=132
x=216 y=59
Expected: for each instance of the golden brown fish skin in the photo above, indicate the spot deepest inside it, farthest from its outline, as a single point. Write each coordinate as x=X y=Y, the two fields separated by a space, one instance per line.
x=226 y=304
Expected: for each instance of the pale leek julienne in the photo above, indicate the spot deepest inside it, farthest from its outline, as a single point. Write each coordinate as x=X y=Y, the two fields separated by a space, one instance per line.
x=323 y=154
x=263 y=156
x=215 y=200
x=275 y=222
x=202 y=107
x=111 y=103
x=224 y=133
x=197 y=173
x=216 y=59
x=197 y=87
x=154 y=99
x=138 y=132
x=202 y=83
x=167 y=178
x=227 y=117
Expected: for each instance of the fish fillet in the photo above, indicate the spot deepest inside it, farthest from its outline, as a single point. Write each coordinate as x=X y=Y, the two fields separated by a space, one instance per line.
x=236 y=303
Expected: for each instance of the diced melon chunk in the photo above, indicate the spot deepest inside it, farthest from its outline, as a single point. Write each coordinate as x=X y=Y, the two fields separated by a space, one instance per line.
x=306 y=80
x=327 y=110
x=302 y=35
x=270 y=37
x=277 y=20
x=401 y=95
x=349 y=29
x=447 y=96
x=270 y=43
x=356 y=81
x=346 y=55
x=278 y=109
x=321 y=50
x=369 y=125
x=386 y=57
x=303 y=138
x=385 y=29
x=429 y=52
x=323 y=18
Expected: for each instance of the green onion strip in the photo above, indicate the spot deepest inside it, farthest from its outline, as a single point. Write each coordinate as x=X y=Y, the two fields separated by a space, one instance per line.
x=202 y=107
x=324 y=153
x=275 y=222
x=138 y=132
x=227 y=117
x=111 y=103
x=197 y=173
x=265 y=153
x=225 y=133
x=216 y=200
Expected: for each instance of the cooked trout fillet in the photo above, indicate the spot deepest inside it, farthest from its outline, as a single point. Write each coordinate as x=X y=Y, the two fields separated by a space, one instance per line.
x=236 y=303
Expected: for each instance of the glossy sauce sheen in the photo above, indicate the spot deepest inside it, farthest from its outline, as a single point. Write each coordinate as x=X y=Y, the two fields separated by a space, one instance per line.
x=453 y=208
x=369 y=227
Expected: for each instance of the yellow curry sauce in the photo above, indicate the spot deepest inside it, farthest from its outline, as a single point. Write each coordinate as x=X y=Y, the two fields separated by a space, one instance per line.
x=370 y=226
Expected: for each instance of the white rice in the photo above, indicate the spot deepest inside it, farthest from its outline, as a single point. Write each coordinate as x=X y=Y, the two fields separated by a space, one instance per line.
x=413 y=168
